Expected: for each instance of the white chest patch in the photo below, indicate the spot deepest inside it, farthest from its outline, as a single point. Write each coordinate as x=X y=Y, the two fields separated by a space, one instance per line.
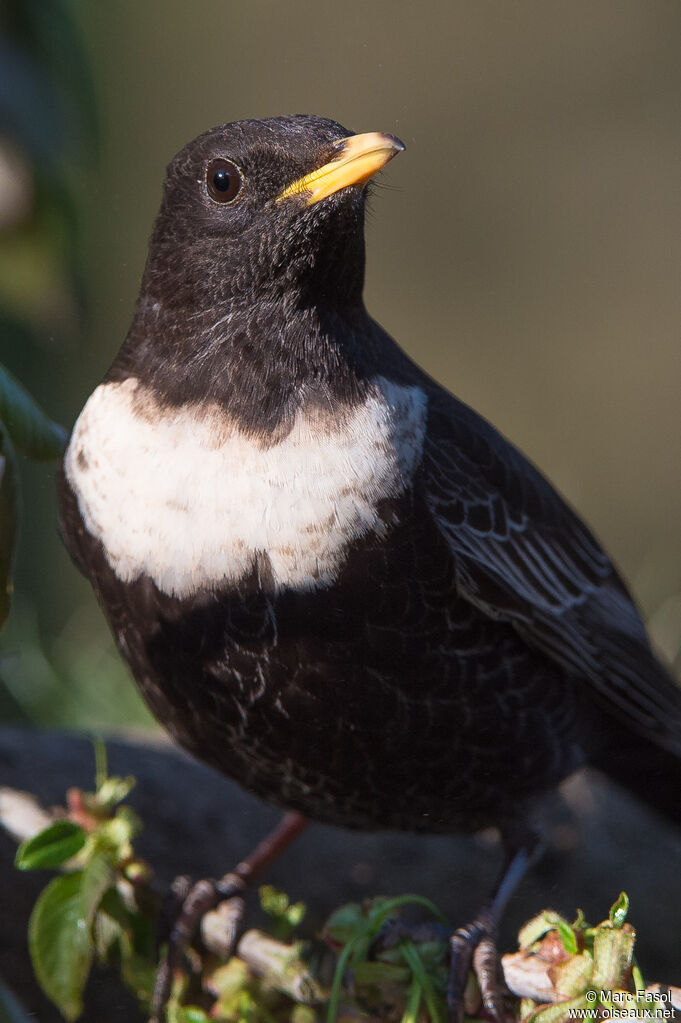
x=184 y=497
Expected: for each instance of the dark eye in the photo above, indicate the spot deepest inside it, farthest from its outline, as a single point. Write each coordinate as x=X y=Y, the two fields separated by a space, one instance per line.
x=223 y=180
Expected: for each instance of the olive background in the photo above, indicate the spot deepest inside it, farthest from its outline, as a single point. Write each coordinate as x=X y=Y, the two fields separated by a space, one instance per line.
x=525 y=249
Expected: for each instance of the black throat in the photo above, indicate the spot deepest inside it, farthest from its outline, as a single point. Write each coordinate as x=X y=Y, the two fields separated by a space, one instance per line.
x=258 y=323
x=260 y=362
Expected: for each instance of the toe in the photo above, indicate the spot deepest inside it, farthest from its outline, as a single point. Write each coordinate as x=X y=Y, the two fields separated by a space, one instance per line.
x=473 y=948
x=487 y=968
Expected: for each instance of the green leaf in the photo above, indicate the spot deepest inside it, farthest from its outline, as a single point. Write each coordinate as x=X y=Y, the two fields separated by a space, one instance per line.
x=568 y=937
x=192 y=1014
x=61 y=944
x=99 y=875
x=613 y=953
x=636 y=975
x=34 y=434
x=526 y=1008
x=139 y=975
x=535 y=929
x=115 y=925
x=107 y=933
x=111 y=791
x=345 y=923
x=52 y=847
x=60 y=931
x=112 y=926
x=357 y=945
x=435 y=1010
x=580 y=923
x=101 y=767
x=303 y=1014
x=118 y=832
x=411 y=1012
x=619 y=910
x=285 y=916
x=560 y=1011
x=273 y=901
x=189 y=1014
x=8 y=523
x=227 y=981
x=573 y=976
x=377 y=973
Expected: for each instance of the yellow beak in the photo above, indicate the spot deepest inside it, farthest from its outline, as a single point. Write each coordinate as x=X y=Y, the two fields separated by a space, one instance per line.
x=359 y=158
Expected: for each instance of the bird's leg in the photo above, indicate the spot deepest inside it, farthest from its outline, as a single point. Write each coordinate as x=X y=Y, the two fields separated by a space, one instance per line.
x=474 y=945
x=203 y=896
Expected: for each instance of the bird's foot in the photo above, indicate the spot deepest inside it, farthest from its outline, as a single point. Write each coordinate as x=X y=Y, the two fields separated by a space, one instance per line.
x=192 y=904
x=473 y=955
x=189 y=906
x=473 y=949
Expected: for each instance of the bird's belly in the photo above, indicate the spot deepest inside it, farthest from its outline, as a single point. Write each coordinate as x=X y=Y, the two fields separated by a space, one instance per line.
x=368 y=709
x=382 y=700
x=183 y=497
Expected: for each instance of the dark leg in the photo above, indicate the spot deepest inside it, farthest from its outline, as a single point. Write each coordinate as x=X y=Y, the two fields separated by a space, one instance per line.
x=206 y=895
x=474 y=946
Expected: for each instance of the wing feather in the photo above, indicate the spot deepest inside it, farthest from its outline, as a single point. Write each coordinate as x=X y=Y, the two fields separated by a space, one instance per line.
x=522 y=555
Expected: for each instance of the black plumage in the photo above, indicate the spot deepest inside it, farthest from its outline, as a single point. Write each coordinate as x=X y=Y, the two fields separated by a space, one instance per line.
x=471 y=644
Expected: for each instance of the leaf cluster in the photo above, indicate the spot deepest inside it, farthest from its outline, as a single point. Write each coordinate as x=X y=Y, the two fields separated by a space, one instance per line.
x=397 y=979
x=48 y=108
x=586 y=964
x=95 y=910
x=368 y=964
x=24 y=427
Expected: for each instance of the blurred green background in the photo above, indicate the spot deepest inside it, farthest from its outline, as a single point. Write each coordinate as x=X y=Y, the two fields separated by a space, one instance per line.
x=525 y=249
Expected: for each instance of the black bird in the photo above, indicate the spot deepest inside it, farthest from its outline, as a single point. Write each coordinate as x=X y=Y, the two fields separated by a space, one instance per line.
x=331 y=579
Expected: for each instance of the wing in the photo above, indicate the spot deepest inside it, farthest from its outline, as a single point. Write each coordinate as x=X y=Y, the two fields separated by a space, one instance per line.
x=523 y=556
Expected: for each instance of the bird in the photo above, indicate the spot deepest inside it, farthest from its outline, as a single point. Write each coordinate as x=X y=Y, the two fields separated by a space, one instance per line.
x=332 y=580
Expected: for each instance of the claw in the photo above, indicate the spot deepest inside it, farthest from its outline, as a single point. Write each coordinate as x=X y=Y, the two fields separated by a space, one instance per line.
x=221 y=927
x=473 y=949
x=487 y=968
x=198 y=900
x=463 y=944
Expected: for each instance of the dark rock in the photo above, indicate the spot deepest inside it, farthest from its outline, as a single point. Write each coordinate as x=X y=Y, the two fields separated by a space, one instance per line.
x=197 y=822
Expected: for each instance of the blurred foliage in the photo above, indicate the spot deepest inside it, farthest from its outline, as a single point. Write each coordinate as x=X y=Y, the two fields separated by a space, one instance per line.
x=48 y=142
x=91 y=908
x=525 y=257
x=70 y=681
x=25 y=427
x=8 y=522
x=10 y=1010
x=48 y=131
x=555 y=126
x=33 y=434
x=368 y=963
x=47 y=126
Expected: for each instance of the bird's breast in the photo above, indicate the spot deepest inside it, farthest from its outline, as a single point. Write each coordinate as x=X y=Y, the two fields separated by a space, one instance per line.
x=183 y=496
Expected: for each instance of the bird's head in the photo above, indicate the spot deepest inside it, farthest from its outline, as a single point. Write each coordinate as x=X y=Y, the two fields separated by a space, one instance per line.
x=266 y=210
x=252 y=291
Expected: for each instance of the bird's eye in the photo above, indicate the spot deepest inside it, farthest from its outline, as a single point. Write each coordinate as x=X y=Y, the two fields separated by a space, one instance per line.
x=223 y=180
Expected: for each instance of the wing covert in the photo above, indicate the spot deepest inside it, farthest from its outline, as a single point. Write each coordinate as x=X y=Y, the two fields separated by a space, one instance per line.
x=522 y=555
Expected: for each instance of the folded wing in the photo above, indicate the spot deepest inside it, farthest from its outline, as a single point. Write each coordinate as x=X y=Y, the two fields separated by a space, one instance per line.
x=523 y=556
